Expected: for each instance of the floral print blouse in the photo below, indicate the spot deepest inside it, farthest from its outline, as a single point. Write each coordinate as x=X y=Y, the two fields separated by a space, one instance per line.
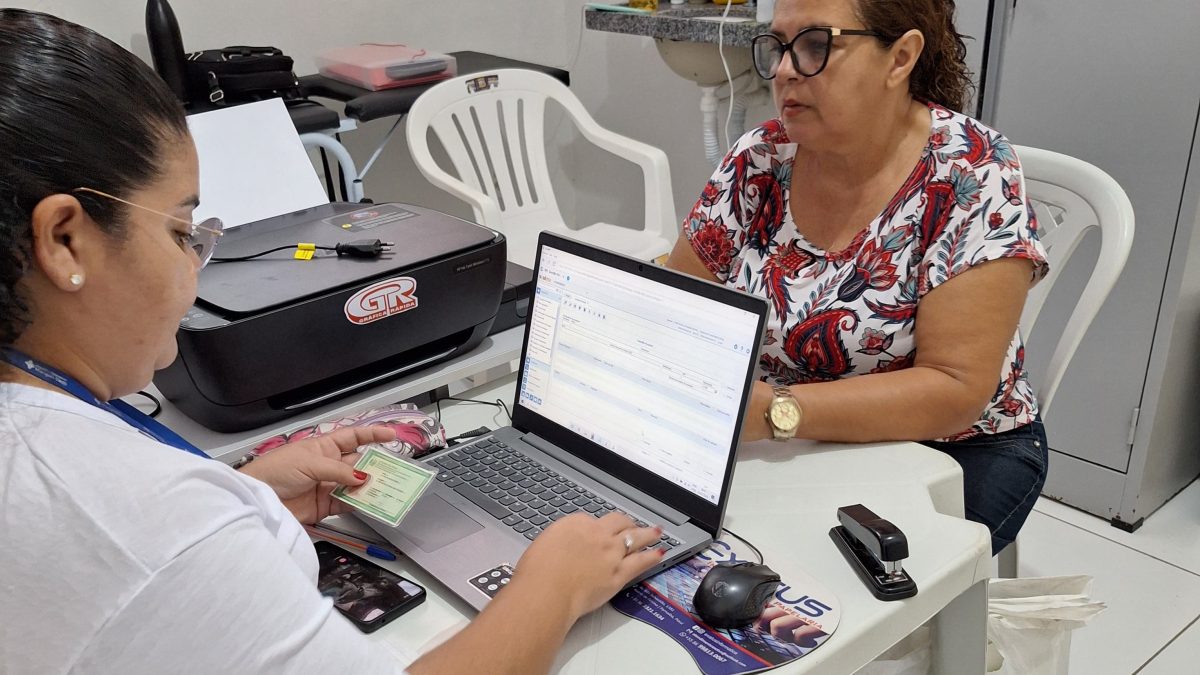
x=851 y=312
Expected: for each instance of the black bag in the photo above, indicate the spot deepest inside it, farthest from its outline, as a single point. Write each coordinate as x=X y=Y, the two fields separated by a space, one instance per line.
x=240 y=75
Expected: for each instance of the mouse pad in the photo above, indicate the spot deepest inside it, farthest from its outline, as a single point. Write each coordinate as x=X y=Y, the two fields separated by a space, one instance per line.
x=798 y=619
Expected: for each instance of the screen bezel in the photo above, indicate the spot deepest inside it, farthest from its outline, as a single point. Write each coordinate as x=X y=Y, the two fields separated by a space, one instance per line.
x=704 y=514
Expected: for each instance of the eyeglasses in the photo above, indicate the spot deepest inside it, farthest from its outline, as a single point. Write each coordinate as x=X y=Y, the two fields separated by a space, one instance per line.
x=809 y=50
x=202 y=237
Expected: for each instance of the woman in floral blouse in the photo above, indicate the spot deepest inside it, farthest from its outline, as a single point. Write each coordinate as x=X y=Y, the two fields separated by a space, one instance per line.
x=892 y=238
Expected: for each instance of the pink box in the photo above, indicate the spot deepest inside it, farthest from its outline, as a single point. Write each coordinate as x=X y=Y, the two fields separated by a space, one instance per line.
x=383 y=66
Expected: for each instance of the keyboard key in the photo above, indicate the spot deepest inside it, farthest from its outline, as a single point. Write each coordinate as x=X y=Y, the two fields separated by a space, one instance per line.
x=673 y=541
x=580 y=501
x=592 y=508
x=507 y=485
x=641 y=523
x=507 y=471
x=501 y=445
x=478 y=482
x=444 y=476
x=539 y=520
x=448 y=463
x=536 y=503
x=538 y=489
x=547 y=510
x=512 y=520
x=528 y=513
x=558 y=514
x=557 y=501
x=496 y=480
x=570 y=495
x=608 y=507
x=509 y=499
x=522 y=526
x=488 y=473
x=489 y=489
x=538 y=476
x=482 y=501
x=569 y=508
x=526 y=483
x=454 y=482
x=589 y=494
x=532 y=533
x=560 y=488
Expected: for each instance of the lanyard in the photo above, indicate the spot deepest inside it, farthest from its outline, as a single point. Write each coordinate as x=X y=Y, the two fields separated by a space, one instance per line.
x=130 y=415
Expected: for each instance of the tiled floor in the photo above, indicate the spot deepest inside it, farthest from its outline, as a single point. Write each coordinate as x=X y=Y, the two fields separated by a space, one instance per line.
x=1150 y=580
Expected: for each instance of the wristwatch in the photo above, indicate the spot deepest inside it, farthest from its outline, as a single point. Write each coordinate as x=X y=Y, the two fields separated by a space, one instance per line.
x=784 y=414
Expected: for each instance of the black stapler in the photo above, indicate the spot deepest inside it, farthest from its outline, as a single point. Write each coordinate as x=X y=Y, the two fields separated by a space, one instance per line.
x=876 y=550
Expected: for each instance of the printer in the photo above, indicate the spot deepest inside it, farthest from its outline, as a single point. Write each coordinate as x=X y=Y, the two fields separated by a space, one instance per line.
x=271 y=337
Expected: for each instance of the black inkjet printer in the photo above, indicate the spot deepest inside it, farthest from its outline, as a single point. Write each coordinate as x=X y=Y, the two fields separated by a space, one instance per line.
x=274 y=336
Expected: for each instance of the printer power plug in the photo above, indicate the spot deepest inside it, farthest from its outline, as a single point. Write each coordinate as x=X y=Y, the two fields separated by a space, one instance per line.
x=364 y=248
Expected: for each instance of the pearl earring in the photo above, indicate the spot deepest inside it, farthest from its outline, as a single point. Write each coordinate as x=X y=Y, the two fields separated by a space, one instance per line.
x=76 y=279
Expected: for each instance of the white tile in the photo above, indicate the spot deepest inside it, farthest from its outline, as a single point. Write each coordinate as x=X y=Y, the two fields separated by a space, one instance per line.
x=1171 y=534
x=1179 y=657
x=1149 y=601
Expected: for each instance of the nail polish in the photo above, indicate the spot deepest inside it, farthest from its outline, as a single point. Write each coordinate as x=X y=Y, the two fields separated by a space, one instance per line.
x=361 y=475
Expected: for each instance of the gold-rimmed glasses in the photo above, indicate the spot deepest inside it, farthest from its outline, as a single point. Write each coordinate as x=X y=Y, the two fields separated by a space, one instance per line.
x=202 y=237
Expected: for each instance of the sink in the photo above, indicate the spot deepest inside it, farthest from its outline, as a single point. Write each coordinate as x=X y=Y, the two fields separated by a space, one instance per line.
x=700 y=62
x=686 y=37
x=684 y=23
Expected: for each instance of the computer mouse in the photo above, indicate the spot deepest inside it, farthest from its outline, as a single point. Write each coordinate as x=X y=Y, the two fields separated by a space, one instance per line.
x=732 y=594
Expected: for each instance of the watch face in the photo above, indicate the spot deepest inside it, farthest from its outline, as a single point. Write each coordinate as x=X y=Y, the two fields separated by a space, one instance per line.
x=785 y=415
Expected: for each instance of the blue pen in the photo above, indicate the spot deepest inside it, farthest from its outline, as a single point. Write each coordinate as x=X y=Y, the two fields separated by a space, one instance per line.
x=370 y=549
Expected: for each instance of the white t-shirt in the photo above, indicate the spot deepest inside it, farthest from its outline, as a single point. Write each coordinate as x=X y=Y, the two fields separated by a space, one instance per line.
x=120 y=554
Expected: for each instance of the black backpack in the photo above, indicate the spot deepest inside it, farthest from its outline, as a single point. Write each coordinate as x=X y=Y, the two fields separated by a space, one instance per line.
x=240 y=75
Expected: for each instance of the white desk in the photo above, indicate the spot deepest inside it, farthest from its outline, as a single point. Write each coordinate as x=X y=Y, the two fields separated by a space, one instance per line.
x=784 y=500
x=495 y=350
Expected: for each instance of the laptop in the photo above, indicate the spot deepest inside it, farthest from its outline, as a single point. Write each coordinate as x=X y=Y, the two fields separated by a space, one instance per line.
x=631 y=391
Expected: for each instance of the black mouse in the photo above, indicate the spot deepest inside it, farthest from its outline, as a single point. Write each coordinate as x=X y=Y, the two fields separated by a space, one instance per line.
x=732 y=594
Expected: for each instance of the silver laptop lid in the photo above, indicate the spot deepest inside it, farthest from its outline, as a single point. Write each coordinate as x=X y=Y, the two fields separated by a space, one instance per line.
x=640 y=371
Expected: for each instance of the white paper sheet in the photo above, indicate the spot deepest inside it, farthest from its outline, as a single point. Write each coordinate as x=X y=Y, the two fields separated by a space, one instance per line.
x=252 y=164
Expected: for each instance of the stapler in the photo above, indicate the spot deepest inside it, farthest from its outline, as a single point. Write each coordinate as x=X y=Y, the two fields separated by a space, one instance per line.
x=876 y=549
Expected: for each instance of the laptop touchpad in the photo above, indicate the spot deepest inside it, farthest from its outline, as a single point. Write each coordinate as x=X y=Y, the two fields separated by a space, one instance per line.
x=434 y=523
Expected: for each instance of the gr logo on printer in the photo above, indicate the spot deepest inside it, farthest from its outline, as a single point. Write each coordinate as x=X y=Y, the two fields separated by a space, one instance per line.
x=381 y=300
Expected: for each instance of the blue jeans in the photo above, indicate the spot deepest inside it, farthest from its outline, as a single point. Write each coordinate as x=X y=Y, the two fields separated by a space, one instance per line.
x=1003 y=475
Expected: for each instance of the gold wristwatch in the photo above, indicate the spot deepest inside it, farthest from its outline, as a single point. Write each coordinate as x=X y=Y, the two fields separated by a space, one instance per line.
x=784 y=414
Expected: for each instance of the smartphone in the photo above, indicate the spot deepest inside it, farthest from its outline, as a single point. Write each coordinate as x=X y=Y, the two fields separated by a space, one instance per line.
x=364 y=592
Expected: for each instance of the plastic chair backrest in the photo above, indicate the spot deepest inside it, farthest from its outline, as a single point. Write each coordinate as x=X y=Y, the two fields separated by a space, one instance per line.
x=492 y=127
x=1070 y=197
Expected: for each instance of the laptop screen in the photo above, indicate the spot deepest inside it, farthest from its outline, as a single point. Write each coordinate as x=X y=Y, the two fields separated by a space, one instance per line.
x=652 y=373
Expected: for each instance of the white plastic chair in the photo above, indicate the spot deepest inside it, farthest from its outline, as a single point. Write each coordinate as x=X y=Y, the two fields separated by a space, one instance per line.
x=1070 y=197
x=492 y=127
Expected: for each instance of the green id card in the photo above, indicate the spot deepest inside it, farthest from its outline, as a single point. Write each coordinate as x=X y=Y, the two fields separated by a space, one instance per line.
x=392 y=489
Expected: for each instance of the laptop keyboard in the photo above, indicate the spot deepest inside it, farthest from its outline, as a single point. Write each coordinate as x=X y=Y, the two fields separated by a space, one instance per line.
x=519 y=491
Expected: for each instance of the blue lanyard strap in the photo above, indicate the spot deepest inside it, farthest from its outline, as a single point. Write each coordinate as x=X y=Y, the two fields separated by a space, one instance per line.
x=130 y=415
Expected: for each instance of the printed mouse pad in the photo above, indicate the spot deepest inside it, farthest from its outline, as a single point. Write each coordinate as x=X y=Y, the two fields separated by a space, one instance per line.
x=800 y=617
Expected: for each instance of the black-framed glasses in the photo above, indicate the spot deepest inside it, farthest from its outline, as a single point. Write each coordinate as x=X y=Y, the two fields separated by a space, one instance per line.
x=809 y=50
x=202 y=237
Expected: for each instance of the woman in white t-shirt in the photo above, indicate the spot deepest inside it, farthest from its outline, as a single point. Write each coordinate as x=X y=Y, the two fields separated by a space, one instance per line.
x=893 y=240
x=123 y=551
